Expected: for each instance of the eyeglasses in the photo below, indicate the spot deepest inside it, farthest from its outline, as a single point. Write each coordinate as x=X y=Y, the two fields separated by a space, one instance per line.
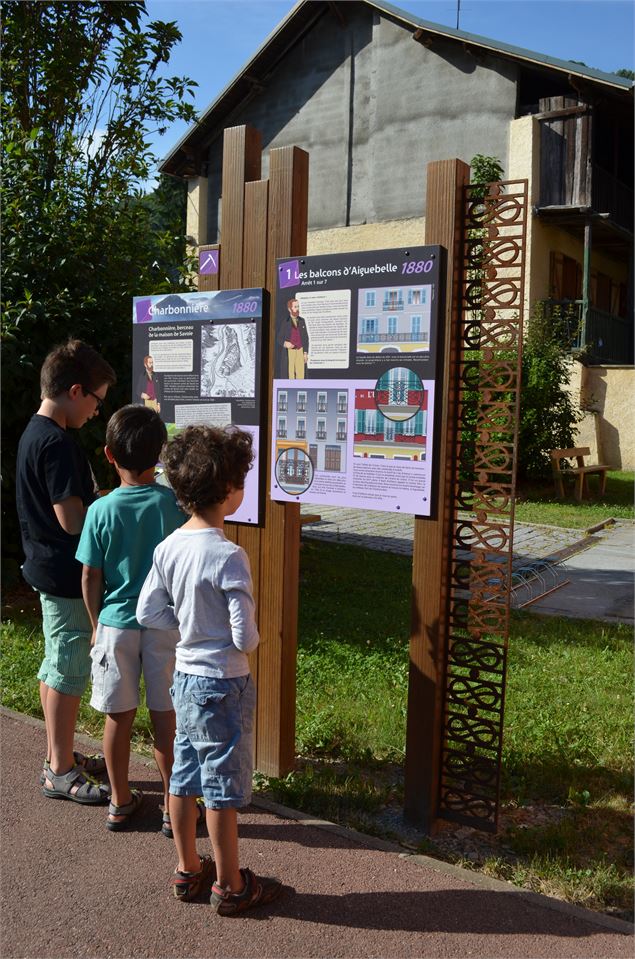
x=98 y=399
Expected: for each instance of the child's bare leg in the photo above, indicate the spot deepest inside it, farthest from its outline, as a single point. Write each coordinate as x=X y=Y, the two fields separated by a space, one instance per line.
x=43 y=696
x=222 y=825
x=183 y=817
x=117 y=731
x=61 y=719
x=164 y=726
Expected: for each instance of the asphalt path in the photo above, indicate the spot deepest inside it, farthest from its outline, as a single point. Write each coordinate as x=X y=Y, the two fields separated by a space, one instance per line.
x=70 y=888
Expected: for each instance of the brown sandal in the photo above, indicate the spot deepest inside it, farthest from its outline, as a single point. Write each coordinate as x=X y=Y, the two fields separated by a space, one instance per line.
x=186 y=886
x=258 y=891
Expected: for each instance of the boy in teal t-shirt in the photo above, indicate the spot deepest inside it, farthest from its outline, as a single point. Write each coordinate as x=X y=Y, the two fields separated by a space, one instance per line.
x=116 y=547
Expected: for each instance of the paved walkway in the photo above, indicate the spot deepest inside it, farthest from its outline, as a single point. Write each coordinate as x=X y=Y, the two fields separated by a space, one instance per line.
x=599 y=568
x=72 y=889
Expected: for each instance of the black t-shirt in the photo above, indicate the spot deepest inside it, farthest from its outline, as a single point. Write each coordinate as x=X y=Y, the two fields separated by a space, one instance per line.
x=51 y=467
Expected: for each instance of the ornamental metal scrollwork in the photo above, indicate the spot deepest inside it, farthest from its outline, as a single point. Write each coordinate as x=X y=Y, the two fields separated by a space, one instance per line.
x=487 y=380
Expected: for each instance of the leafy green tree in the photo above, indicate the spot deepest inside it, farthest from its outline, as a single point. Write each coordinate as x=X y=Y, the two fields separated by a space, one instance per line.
x=629 y=74
x=84 y=88
x=548 y=414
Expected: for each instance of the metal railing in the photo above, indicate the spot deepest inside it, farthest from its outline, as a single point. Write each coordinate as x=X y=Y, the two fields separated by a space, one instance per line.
x=392 y=338
x=606 y=338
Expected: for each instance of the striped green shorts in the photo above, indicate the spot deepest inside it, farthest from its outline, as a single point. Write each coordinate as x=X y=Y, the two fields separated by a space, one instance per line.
x=67 y=632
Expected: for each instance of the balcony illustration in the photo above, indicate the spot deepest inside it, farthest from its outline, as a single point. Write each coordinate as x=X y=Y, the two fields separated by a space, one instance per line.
x=291 y=473
x=281 y=433
x=282 y=406
x=300 y=434
x=301 y=406
x=342 y=408
x=393 y=338
x=320 y=434
x=321 y=407
x=340 y=436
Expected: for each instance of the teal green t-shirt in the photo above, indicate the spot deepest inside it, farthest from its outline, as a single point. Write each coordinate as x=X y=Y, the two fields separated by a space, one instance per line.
x=119 y=536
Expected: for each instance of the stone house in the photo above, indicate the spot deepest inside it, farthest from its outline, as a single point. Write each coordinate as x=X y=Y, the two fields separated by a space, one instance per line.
x=374 y=93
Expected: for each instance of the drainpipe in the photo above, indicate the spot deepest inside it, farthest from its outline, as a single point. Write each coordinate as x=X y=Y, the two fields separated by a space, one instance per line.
x=586 y=281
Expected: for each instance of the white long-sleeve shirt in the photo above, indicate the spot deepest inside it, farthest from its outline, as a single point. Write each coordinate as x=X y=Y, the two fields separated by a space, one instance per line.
x=200 y=583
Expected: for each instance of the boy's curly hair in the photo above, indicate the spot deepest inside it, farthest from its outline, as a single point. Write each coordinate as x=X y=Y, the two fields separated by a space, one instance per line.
x=203 y=463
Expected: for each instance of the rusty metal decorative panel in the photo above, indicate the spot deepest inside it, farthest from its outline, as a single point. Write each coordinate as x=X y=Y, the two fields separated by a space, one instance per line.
x=487 y=381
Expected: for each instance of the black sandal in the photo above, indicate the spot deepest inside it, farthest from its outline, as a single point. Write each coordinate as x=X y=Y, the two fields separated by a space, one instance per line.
x=117 y=825
x=166 y=827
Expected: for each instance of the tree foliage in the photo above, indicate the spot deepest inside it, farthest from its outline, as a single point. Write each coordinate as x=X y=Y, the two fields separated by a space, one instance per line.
x=548 y=414
x=485 y=169
x=84 y=88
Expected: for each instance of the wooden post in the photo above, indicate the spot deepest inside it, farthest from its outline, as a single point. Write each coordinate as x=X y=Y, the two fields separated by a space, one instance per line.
x=433 y=537
x=263 y=220
x=280 y=546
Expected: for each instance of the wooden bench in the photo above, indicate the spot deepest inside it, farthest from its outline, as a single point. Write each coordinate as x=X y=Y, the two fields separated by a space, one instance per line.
x=579 y=472
x=306 y=519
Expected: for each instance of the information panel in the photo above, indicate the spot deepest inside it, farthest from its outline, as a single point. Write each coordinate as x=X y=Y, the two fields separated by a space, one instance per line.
x=197 y=359
x=356 y=375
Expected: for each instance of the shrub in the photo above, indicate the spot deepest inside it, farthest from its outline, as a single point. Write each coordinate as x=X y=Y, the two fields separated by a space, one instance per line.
x=548 y=414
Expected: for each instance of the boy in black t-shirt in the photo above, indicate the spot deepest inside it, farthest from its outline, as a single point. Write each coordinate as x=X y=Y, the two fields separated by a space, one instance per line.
x=54 y=487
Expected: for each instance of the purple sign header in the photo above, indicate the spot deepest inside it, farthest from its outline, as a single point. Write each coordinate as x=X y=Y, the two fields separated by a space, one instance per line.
x=288 y=273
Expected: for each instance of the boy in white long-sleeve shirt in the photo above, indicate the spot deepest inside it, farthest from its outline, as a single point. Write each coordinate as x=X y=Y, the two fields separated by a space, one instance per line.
x=200 y=583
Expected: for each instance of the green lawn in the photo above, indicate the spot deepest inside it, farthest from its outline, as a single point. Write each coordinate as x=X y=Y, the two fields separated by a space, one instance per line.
x=568 y=722
x=537 y=503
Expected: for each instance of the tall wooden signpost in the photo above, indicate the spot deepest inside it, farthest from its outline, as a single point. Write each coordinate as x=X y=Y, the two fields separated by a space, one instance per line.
x=263 y=220
x=462 y=554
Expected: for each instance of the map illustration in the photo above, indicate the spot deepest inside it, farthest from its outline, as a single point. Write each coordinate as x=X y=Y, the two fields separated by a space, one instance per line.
x=228 y=359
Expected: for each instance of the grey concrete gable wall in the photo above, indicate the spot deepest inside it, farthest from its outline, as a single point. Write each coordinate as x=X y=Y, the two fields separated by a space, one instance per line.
x=373 y=107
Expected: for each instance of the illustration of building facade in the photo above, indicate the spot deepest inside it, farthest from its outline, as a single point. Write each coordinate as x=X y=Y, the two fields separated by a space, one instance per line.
x=394 y=319
x=315 y=421
x=377 y=437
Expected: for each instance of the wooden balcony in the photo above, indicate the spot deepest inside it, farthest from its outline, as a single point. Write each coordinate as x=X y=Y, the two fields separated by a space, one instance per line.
x=570 y=181
x=610 y=195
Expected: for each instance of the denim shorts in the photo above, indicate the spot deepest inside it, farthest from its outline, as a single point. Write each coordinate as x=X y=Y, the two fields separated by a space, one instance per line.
x=67 y=631
x=214 y=745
